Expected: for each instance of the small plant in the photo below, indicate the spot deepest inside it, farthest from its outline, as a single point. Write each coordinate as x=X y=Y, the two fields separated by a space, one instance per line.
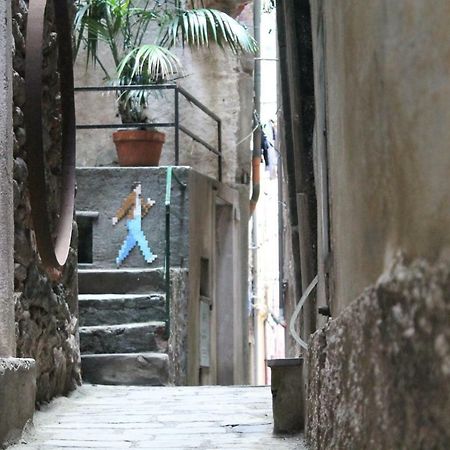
x=125 y=25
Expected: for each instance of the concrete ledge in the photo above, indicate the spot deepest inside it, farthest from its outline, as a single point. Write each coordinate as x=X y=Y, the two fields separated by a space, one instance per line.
x=17 y=397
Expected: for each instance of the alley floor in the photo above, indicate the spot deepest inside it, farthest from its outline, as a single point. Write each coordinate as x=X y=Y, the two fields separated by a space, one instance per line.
x=110 y=417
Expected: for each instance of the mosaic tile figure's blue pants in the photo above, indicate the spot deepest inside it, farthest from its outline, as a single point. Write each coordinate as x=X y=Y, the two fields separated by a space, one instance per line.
x=135 y=236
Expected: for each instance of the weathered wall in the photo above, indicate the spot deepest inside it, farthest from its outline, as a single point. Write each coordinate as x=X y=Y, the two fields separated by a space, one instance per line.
x=46 y=322
x=7 y=341
x=222 y=82
x=202 y=245
x=379 y=370
x=388 y=91
x=104 y=189
x=178 y=340
x=379 y=373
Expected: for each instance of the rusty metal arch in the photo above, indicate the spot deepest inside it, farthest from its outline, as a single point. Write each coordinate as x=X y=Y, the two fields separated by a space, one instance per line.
x=53 y=252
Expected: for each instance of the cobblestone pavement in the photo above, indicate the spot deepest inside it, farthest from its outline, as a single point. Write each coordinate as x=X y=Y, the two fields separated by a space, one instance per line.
x=110 y=417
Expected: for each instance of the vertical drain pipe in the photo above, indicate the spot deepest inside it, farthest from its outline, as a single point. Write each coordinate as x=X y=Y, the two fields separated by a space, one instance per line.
x=256 y=162
x=167 y=255
x=256 y=156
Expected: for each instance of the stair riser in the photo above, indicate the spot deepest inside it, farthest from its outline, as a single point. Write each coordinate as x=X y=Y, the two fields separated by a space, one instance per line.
x=120 y=282
x=121 y=311
x=126 y=340
x=132 y=369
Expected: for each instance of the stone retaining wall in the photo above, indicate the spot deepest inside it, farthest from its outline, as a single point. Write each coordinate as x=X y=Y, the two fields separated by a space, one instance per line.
x=46 y=323
x=379 y=373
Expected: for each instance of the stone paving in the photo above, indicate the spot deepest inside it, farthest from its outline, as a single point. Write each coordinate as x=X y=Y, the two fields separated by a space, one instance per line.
x=116 y=417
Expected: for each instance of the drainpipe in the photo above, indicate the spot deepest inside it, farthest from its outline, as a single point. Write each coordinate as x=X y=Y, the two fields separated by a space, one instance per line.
x=7 y=325
x=256 y=162
x=256 y=156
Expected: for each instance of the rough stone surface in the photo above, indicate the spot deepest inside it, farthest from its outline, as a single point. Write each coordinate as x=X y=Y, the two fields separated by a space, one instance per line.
x=110 y=281
x=124 y=338
x=207 y=417
x=17 y=396
x=179 y=319
x=46 y=324
x=379 y=373
x=124 y=331
x=117 y=309
x=129 y=369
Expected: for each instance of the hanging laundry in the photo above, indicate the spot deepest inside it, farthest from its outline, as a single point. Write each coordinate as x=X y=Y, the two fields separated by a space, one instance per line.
x=271 y=159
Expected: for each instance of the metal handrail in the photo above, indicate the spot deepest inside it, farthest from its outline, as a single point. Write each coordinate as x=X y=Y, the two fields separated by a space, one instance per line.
x=169 y=175
x=175 y=124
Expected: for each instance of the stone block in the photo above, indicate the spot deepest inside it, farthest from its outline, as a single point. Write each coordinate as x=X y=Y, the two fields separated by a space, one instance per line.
x=120 y=281
x=131 y=369
x=379 y=373
x=17 y=397
x=120 y=308
x=124 y=338
x=287 y=395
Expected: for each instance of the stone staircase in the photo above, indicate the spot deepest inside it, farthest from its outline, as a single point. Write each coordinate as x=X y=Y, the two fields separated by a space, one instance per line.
x=122 y=328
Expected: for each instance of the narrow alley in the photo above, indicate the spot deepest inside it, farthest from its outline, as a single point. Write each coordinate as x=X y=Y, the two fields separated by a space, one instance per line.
x=110 y=417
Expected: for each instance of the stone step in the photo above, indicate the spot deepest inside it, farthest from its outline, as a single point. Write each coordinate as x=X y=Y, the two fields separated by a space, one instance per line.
x=120 y=281
x=124 y=338
x=110 y=309
x=139 y=369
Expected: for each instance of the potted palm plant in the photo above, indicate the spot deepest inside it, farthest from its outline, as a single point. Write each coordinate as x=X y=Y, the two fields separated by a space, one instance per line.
x=125 y=26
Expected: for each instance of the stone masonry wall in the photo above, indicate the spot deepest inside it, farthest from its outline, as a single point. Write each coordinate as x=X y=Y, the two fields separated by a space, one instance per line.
x=46 y=323
x=379 y=373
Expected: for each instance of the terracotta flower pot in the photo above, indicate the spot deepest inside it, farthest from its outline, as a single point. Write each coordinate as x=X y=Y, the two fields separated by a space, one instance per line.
x=138 y=147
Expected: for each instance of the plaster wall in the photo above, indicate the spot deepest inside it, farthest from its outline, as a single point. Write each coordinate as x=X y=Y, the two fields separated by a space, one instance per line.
x=221 y=81
x=387 y=109
x=201 y=266
x=231 y=305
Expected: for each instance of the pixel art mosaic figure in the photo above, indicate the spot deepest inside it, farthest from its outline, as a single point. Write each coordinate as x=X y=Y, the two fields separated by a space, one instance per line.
x=135 y=209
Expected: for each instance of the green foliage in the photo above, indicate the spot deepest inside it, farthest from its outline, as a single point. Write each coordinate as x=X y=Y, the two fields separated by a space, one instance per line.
x=124 y=25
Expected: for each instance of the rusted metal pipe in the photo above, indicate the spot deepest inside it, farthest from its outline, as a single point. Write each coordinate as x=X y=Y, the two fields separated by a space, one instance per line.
x=53 y=252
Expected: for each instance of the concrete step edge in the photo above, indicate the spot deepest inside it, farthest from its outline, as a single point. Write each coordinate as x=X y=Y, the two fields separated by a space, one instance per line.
x=112 y=297
x=129 y=326
x=156 y=355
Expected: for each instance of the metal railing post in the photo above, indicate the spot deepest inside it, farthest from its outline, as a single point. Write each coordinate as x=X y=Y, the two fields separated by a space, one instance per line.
x=175 y=124
x=177 y=127
x=219 y=147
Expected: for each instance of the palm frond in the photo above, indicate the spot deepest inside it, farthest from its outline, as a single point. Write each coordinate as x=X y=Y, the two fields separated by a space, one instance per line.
x=148 y=63
x=198 y=27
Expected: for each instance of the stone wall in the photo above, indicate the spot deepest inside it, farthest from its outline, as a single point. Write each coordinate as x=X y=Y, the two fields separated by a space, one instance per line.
x=46 y=323
x=379 y=373
x=178 y=340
